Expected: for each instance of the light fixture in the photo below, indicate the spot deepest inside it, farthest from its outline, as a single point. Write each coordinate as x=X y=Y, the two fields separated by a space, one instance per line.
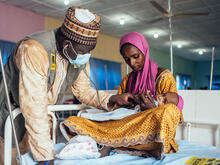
x=122 y=21
x=66 y=2
x=179 y=45
x=156 y=35
x=200 y=52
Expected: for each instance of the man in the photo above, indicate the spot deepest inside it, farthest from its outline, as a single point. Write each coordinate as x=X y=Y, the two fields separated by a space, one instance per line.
x=42 y=67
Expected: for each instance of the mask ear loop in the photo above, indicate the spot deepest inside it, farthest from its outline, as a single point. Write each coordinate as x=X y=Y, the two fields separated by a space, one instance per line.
x=73 y=48
x=65 y=53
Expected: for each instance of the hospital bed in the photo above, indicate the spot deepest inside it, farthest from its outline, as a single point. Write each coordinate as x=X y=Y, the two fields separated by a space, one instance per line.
x=187 y=147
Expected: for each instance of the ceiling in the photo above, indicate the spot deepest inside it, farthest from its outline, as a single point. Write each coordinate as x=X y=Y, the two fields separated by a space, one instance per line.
x=194 y=33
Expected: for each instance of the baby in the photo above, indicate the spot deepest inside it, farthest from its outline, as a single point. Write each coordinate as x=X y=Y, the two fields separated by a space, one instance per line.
x=146 y=101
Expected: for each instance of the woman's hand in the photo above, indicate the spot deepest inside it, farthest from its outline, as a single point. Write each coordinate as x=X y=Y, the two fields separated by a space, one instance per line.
x=146 y=101
x=123 y=100
x=44 y=162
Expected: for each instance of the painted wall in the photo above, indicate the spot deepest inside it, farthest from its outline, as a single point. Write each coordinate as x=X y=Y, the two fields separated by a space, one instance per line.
x=203 y=70
x=180 y=65
x=24 y=22
x=52 y=23
x=16 y=23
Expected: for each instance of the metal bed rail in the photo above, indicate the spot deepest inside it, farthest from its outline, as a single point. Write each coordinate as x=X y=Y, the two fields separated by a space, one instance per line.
x=17 y=111
x=189 y=124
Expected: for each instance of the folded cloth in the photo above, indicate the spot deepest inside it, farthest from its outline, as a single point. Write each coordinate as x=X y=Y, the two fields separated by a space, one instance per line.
x=117 y=114
x=79 y=147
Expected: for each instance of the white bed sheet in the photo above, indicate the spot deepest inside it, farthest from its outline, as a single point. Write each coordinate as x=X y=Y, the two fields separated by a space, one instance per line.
x=186 y=151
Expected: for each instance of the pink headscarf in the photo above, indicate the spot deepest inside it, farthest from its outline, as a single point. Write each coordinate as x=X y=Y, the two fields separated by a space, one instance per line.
x=180 y=103
x=143 y=80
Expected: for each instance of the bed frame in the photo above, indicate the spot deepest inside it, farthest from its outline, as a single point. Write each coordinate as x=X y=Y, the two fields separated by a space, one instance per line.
x=17 y=111
x=197 y=112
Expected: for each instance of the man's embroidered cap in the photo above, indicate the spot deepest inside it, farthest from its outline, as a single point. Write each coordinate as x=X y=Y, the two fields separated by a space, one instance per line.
x=81 y=25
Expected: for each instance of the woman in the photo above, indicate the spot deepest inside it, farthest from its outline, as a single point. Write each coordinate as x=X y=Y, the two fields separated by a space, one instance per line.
x=146 y=74
x=147 y=133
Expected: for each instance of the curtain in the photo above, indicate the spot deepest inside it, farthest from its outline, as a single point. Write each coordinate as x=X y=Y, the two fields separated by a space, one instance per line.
x=6 y=49
x=105 y=74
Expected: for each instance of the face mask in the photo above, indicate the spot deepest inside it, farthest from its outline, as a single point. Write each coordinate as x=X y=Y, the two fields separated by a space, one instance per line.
x=81 y=59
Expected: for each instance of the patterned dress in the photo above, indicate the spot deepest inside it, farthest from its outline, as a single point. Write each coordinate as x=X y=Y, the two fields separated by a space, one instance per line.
x=147 y=133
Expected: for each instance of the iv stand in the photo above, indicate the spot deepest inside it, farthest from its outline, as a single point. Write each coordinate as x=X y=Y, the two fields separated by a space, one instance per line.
x=211 y=75
x=171 y=39
x=9 y=107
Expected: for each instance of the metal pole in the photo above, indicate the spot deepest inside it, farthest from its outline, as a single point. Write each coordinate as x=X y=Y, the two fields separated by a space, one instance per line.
x=188 y=125
x=171 y=39
x=211 y=75
x=9 y=107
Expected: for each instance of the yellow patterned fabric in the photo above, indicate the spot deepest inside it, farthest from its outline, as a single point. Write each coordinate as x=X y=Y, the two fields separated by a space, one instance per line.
x=151 y=130
x=141 y=131
x=165 y=82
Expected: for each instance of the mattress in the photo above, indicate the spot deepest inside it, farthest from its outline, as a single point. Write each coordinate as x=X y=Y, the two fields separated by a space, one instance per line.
x=186 y=151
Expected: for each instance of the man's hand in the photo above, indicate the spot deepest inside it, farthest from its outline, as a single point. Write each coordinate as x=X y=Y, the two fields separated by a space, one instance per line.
x=44 y=162
x=123 y=100
x=146 y=101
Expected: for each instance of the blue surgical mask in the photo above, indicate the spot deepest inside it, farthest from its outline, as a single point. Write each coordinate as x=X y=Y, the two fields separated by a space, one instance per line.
x=81 y=59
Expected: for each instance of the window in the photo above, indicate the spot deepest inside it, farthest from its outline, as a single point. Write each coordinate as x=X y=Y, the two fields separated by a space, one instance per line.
x=183 y=81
